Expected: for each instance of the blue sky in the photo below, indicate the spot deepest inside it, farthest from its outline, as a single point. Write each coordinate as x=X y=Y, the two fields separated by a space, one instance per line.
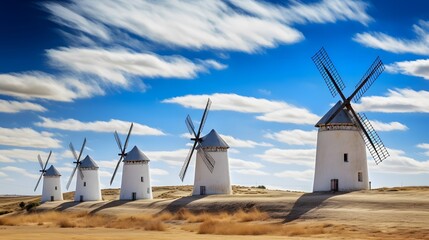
x=76 y=69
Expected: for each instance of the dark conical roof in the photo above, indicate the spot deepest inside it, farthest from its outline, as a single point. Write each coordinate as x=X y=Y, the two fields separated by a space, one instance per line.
x=213 y=140
x=88 y=162
x=52 y=171
x=136 y=155
x=342 y=118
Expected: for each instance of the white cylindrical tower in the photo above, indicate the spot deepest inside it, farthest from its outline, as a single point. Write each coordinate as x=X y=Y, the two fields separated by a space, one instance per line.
x=88 y=187
x=341 y=162
x=218 y=181
x=52 y=185
x=136 y=176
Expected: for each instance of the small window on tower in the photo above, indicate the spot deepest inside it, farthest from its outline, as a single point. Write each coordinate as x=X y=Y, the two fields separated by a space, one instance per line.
x=55 y=187
x=141 y=179
x=148 y=190
x=360 y=177
x=84 y=184
x=346 y=157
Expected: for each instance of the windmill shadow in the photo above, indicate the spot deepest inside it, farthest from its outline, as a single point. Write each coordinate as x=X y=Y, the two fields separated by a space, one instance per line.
x=308 y=202
x=66 y=205
x=182 y=202
x=113 y=203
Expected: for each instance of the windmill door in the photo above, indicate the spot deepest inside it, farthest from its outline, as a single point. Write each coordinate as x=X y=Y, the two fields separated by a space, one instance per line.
x=81 y=198
x=334 y=185
x=202 y=190
x=134 y=196
x=52 y=198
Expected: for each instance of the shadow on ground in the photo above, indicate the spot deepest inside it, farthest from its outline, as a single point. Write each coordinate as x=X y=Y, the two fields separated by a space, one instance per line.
x=308 y=202
x=182 y=202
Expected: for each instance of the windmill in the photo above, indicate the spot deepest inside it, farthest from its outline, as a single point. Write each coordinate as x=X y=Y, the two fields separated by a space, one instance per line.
x=343 y=133
x=51 y=181
x=135 y=173
x=123 y=149
x=88 y=184
x=214 y=177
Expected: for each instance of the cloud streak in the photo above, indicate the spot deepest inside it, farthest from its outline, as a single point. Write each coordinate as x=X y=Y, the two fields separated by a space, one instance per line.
x=272 y=111
x=15 y=106
x=294 y=137
x=378 y=40
x=305 y=157
x=416 y=68
x=27 y=137
x=99 y=126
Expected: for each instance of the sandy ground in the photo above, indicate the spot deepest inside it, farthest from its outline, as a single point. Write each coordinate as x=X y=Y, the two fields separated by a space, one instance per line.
x=399 y=213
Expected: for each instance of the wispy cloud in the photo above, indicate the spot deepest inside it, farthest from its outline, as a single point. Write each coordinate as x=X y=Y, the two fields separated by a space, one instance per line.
x=273 y=111
x=27 y=137
x=99 y=126
x=294 y=137
x=117 y=66
x=387 y=127
x=424 y=146
x=240 y=143
x=20 y=171
x=306 y=175
x=173 y=157
x=242 y=164
x=19 y=155
x=417 y=68
x=419 y=45
x=15 y=106
x=400 y=163
x=202 y=25
x=39 y=85
x=396 y=101
x=252 y=172
x=305 y=157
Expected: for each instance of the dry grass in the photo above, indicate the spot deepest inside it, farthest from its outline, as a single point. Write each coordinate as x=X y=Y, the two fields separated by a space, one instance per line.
x=84 y=220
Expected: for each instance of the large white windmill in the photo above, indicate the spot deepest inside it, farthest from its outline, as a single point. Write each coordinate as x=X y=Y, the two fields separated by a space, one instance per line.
x=88 y=182
x=51 y=181
x=341 y=162
x=135 y=173
x=212 y=163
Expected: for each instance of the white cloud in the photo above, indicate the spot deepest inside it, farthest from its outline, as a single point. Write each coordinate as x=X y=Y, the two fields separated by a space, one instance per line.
x=14 y=155
x=304 y=157
x=20 y=171
x=424 y=146
x=27 y=137
x=306 y=175
x=158 y=171
x=417 y=68
x=174 y=157
x=99 y=126
x=294 y=137
x=15 y=106
x=38 y=85
x=252 y=172
x=320 y=12
x=238 y=163
x=399 y=163
x=227 y=25
x=240 y=143
x=419 y=45
x=386 y=127
x=114 y=66
x=273 y=111
x=396 y=101
x=2 y=174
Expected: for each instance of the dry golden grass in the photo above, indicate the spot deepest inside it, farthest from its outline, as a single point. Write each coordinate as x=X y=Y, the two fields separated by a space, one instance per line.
x=84 y=220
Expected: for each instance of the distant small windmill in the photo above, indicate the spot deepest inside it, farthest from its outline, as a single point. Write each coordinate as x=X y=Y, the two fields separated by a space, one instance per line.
x=51 y=181
x=135 y=173
x=88 y=184
x=341 y=162
x=214 y=178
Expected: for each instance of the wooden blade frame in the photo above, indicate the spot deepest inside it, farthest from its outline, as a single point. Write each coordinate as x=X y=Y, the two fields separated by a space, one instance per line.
x=123 y=149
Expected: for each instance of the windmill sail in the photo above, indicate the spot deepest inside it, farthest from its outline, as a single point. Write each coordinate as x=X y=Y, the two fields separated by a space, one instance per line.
x=328 y=71
x=123 y=150
x=43 y=168
x=208 y=160
x=372 y=141
x=369 y=78
x=77 y=158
